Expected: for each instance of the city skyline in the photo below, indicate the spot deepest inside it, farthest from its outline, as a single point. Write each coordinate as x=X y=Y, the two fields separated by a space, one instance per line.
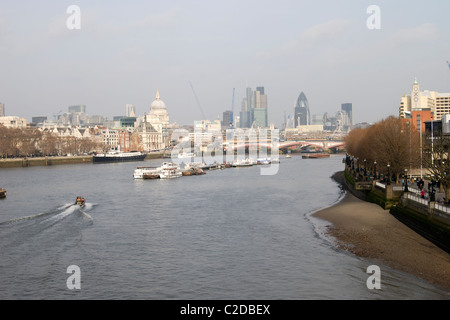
x=123 y=52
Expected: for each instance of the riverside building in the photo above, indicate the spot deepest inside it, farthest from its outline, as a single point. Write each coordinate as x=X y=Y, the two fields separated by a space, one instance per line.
x=420 y=103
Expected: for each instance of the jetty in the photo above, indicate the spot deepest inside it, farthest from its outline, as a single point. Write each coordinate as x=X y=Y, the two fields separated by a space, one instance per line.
x=315 y=155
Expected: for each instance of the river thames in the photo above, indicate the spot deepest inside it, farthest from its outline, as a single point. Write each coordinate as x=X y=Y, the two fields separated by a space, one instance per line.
x=229 y=234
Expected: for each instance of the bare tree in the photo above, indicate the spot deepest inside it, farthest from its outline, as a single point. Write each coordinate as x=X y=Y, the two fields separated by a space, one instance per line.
x=390 y=142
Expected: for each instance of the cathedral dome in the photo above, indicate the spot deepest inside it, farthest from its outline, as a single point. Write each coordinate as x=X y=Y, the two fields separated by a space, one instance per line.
x=158 y=103
x=158 y=112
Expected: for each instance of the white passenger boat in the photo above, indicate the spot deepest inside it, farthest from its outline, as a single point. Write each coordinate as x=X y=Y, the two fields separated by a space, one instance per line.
x=242 y=163
x=170 y=170
x=147 y=173
x=264 y=161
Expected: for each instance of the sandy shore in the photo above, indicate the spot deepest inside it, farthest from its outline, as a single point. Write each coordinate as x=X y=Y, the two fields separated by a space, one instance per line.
x=366 y=230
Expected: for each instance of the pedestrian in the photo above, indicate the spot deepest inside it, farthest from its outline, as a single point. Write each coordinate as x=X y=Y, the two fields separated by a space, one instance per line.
x=432 y=197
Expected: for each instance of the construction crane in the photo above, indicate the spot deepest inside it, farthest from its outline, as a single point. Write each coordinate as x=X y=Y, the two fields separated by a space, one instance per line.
x=232 y=111
x=56 y=115
x=198 y=102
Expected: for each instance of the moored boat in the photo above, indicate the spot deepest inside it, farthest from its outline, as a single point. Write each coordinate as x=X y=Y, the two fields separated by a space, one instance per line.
x=170 y=170
x=118 y=156
x=264 y=161
x=242 y=163
x=147 y=173
x=315 y=155
x=2 y=193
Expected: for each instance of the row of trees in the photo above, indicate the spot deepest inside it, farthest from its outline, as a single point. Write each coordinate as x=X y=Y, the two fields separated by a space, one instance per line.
x=15 y=142
x=389 y=142
x=393 y=142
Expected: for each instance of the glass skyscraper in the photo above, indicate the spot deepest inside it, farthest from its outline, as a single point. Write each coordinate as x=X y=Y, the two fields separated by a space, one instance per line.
x=301 y=113
x=348 y=108
x=254 y=109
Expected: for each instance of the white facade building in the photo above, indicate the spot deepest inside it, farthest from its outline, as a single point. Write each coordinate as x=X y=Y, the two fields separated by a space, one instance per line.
x=438 y=103
x=13 y=122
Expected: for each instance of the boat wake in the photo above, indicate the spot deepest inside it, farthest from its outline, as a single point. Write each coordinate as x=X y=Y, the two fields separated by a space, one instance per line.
x=41 y=238
x=53 y=216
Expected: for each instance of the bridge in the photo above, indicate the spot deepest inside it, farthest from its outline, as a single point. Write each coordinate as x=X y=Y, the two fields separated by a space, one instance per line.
x=321 y=144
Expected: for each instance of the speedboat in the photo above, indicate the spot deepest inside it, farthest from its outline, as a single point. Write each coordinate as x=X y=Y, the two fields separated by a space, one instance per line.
x=80 y=202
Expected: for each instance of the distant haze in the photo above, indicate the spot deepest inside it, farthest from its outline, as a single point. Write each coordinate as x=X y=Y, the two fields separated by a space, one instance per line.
x=125 y=50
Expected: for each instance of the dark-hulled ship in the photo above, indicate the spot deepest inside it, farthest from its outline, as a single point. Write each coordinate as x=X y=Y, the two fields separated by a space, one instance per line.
x=118 y=156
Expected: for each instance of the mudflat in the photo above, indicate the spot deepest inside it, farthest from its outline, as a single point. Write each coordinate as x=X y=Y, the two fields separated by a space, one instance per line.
x=367 y=230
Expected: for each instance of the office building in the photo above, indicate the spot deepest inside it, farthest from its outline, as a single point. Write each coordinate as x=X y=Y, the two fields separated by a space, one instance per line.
x=130 y=110
x=254 y=109
x=77 y=108
x=227 y=119
x=13 y=122
x=348 y=109
x=301 y=112
x=40 y=119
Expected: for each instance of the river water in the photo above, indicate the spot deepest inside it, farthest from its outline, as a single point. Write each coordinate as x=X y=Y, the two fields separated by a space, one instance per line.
x=229 y=234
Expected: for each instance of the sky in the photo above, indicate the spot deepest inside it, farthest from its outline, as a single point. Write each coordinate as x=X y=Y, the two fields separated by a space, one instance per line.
x=125 y=50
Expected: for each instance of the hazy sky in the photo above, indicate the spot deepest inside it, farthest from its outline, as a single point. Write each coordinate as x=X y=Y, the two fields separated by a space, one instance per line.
x=125 y=50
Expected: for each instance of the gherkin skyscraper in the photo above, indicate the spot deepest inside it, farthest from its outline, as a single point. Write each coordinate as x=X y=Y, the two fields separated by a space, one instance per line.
x=301 y=112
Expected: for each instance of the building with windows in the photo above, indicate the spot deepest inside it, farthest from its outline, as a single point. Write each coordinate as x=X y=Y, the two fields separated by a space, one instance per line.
x=254 y=109
x=130 y=110
x=438 y=103
x=348 y=109
x=13 y=122
x=2 y=109
x=38 y=119
x=129 y=140
x=227 y=119
x=153 y=127
x=77 y=108
x=158 y=112
x=301 y=112
x=150 y=136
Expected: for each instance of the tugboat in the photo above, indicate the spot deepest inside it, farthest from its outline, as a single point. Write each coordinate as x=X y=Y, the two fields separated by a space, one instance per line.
x=80 y=202
x=2 y=193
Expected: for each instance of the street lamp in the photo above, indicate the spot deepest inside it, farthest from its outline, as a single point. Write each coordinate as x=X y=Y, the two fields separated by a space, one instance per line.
x=375 y=170
x=389 y=175
x=406 y=180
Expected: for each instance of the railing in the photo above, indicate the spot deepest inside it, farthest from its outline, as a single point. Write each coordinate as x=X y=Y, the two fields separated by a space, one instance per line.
x=435 y=205
x=380 y=185
x=416 y=198
x=440 y=207
x=414 y=190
